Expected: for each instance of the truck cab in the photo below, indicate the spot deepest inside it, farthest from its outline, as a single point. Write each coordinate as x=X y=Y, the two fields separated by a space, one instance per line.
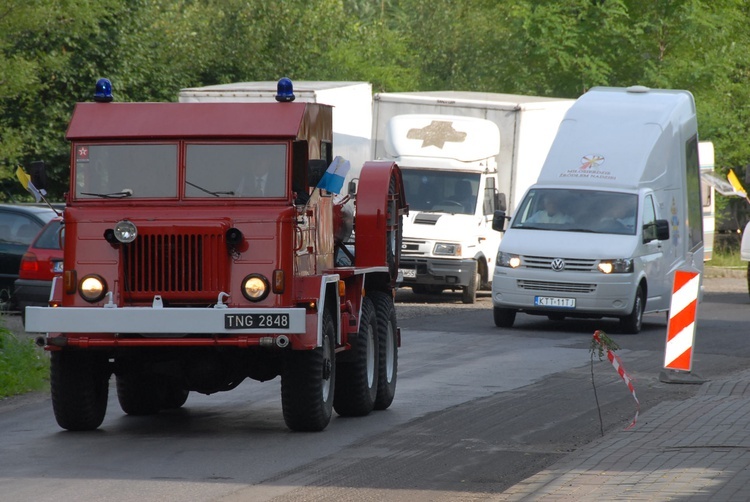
x=449 y=168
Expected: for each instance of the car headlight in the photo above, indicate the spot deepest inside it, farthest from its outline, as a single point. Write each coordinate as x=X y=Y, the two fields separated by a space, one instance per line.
x=255 y=287
x=92 y=288
x=508 y=260
x=617 y=266
x=446 y=249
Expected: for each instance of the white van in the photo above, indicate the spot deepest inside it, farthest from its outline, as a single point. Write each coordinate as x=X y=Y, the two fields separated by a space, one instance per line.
x=615 y=211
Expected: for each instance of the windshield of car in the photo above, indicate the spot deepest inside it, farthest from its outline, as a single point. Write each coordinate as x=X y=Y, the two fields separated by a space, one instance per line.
x=125 y=170
x=230 y=170
x=591 y=211
x=441 y=191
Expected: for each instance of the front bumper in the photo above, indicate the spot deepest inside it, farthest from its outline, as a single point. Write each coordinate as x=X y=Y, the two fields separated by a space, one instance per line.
x=595 y=294
x=437 y=271
x=163 y=321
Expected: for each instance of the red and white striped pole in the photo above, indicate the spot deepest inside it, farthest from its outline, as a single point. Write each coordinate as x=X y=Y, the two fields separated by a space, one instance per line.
x=682 y=318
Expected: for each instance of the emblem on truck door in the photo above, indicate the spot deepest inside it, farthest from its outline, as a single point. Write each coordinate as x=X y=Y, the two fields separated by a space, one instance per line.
x=558 y=264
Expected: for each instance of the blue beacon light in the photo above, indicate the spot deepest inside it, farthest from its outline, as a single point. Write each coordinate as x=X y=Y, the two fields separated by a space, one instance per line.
x=284 y=90
x=103 y=92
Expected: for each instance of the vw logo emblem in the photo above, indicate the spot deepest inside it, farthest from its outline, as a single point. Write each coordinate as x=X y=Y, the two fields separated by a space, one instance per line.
x=558 y=264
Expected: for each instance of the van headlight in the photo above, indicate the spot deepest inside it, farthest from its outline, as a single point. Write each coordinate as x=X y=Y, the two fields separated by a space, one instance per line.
x=92 y=288
x=617 y=266
x=447 y=249
x=508 y=260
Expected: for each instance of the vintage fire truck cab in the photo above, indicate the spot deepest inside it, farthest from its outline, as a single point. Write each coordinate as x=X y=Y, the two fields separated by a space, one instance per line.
x=198 y=252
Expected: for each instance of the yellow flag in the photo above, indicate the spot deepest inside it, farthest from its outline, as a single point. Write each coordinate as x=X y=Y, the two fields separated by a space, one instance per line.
x=25 y=180
x=736 y=184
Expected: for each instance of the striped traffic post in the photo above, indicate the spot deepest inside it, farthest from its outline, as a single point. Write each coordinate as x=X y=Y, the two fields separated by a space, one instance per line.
x=683 y=310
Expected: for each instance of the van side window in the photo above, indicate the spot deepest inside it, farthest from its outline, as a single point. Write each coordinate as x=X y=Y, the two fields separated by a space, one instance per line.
x=649 y=219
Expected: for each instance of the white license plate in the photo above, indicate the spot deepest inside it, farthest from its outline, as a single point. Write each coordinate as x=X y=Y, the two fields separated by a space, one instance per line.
x=549 y=301
x=408 y=273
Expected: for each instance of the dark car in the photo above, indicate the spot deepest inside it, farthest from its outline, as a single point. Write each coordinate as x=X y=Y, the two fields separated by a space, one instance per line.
x=42 y=261
x=19 y=225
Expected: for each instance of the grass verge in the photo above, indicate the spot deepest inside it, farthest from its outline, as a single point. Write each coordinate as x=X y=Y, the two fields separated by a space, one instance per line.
x=24 y=367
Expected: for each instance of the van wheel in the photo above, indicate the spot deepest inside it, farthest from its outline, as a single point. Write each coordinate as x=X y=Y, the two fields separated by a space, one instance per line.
x=504 y=318
x=632 y=322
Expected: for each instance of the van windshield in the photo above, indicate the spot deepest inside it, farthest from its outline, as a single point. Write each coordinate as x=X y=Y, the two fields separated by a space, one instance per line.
x=591 y=211
x=441 y=191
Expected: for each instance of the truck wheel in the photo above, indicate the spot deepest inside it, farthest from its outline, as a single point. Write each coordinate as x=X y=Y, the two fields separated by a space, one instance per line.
x=139 y=394
x=357 y=369
x=307 y=383
x=469 y=294
x=504 y=318
x=388 y=345
x=174 y=396
x=632 y=322
x=80 y=387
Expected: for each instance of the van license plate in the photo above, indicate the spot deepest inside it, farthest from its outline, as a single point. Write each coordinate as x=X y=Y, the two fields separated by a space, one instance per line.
x=256 y=321
x=549 y=301
x=408 y=273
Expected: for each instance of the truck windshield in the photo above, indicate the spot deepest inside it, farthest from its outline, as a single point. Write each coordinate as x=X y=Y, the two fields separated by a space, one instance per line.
x=441 y=191
x=578 y=211
x=228 y=170
x=125 y=170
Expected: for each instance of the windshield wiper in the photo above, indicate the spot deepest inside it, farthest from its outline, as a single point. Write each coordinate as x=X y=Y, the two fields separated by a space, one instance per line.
x=115 y=195
x=215 y=194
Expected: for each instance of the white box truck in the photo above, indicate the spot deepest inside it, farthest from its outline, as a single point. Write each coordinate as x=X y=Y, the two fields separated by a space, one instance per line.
x=351 y=101
x=615 y=211
x=463 y=155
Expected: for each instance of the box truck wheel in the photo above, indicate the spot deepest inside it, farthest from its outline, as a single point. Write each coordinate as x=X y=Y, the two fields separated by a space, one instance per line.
x=357 y=369
x=80 y=388
x=504 y=318
x=308 y=382
x=469 y=294
x=388 y=345
x=632 y=322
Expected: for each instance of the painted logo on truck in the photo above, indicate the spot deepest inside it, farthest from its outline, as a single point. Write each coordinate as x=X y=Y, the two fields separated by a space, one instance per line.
x=437 y=134
x=590 y=168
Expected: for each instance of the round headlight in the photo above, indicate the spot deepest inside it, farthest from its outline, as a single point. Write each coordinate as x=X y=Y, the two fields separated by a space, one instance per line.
x=125 y=231
x=255 y=287
x=92 y=288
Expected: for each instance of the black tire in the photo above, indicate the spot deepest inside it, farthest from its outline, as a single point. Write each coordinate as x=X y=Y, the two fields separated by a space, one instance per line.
x=504 y=318
x=308 y=381
x=139 y=394
x=357 y=369
x=388 y=345
x=174 y=397
x=469 y=294
x=631 y=323
x=80 y=387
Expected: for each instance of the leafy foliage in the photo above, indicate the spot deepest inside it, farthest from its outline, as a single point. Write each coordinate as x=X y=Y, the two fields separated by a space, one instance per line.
x=23 y=366
x=52 y=53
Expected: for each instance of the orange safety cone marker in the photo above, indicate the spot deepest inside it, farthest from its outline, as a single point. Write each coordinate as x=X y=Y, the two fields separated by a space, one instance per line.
x=683 y=314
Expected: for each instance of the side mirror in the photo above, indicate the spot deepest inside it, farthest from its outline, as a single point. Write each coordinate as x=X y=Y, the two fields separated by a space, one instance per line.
x=498 y=221
x=353 y=188
x=501 y=204
x=316 y=168
x=662 y=230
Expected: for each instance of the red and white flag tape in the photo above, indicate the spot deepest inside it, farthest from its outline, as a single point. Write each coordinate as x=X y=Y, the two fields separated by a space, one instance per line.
x=617 y=364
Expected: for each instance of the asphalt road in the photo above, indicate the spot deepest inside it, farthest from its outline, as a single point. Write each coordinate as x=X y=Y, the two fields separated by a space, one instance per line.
x=477 y=410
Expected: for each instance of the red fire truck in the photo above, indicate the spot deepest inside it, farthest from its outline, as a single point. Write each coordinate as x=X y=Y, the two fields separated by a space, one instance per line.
x=200 y=250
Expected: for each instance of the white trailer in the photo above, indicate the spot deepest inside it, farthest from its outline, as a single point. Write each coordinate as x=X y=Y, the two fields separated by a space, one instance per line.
x=351 y=101
x=445 y=141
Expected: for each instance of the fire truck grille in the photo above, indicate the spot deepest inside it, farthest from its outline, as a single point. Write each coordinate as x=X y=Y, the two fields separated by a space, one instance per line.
x=179 y=265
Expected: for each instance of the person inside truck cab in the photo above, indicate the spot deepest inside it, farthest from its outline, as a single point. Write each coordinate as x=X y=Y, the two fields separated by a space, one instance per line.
x=551 y=211
x=619 y=217
x=263 y=179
